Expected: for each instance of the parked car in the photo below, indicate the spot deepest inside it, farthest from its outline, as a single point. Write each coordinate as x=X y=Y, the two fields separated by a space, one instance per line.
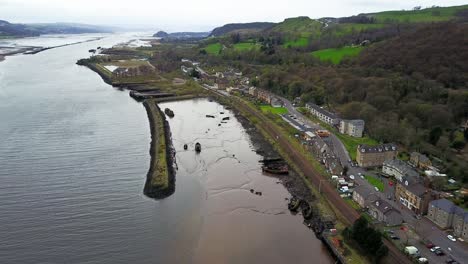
x=351 y=177
x=451 y=238
x=394 y=237
x=433 y=249
x=439 y=252
x=423 y=260
x=430 y=245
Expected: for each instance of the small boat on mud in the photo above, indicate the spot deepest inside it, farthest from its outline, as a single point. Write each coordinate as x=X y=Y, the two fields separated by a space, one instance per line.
x=185 y=146
x=276 y=168
x=226 y=118
x=294 y=204
x=210 y=116
x=197 y=147
x=169 y=112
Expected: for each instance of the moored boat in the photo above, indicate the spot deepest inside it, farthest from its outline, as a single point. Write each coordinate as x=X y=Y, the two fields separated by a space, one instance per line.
x=197 y=147
x=169 y=112
x=185 y=146
x=276 y=169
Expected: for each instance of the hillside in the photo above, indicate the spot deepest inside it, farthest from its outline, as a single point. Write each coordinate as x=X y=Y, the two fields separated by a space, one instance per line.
x=301 y=25
x=241 y=28
x=438 y=51
x=434 y=14
x=27 y=30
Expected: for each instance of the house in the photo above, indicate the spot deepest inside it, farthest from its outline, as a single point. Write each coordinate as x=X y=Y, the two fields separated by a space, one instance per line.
x=441 y=213
x=354 y=128
x=368 y=156
x=253 y=91
x=323 y=114
x=398 y=169
x=447 y=215
x=363 y=195
x=275 y=102
x=412 y=194
x=264 y=96
x=382 y=211
x=420 y=160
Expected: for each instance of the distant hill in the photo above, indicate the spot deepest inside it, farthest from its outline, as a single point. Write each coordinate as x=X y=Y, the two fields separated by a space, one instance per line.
x=161 y=34
x=28 y=30
x=241 y=28
x=299 y=25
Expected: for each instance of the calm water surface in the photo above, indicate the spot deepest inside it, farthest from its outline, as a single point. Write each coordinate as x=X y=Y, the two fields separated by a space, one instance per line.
x=73 y=161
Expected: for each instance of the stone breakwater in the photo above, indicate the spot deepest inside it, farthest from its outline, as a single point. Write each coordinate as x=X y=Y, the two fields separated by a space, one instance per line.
x=160 y=180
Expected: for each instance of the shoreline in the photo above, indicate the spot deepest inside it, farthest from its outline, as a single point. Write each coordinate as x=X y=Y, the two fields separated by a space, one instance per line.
x=31 y=50
x=295 y=183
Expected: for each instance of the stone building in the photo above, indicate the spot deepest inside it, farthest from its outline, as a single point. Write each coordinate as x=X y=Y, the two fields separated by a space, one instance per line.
x=412 y=194
x=447 y=215
x=323 y=114
x=354 y=128
x=398 y=169
x=375 y=156
x=420 y=160
x=363 y=195
x=384 y=212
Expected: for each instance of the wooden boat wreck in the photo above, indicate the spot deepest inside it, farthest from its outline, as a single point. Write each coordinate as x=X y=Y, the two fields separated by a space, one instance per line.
x=169 y=112
x=197 y=147
x=276 y=169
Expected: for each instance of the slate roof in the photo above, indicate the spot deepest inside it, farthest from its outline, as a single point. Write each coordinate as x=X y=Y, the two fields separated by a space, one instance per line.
x=321 y=110
x=379 y=148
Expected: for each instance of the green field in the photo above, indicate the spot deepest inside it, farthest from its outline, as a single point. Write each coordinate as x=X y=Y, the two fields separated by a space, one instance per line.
x=336 y=55
x=349 y=28
x=426 y=15
x=351 y=143
x=245 y=46
x=302 y=41
x=273 y=110
x=375 y=182
x=214 y=49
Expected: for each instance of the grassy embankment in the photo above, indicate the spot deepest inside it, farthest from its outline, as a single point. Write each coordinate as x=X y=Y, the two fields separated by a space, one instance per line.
x=335 y=56
x=273 y=110
x=375 y=182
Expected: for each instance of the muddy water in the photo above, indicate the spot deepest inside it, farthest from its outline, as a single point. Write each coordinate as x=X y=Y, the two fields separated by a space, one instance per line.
x=233 y=225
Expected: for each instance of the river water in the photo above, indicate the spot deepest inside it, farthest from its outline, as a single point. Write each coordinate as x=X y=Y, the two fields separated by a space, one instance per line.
x=73 y=161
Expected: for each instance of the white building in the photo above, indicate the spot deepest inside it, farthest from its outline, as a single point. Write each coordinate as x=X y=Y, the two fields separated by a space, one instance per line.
x=323 y=114
x=354 y=128
x=398 y=169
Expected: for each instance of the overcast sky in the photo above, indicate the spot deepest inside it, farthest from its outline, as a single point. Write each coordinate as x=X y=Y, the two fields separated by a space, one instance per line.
x=193 y=15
